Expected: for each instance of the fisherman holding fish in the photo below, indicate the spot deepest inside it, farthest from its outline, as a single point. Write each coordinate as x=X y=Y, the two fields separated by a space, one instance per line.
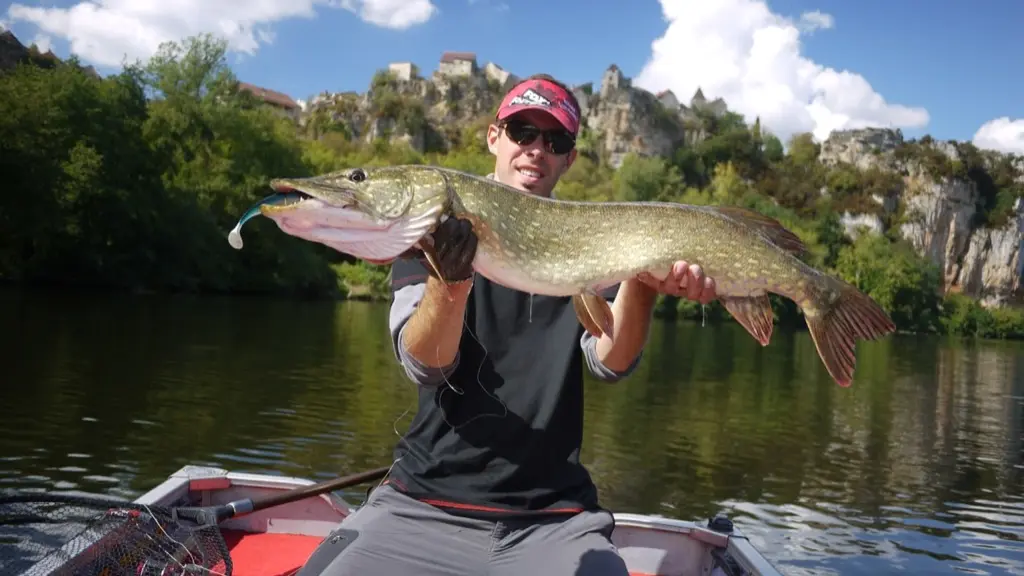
x=488 y=479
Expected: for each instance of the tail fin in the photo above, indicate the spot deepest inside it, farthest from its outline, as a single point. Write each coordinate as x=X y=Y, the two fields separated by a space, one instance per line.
x=835 y=330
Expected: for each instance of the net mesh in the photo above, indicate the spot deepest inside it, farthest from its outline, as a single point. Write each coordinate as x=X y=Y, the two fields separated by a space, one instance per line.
x=88 y=535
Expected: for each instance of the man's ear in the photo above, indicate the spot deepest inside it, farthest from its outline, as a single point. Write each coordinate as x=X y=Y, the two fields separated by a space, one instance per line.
x=493 y=133
x=569 y=159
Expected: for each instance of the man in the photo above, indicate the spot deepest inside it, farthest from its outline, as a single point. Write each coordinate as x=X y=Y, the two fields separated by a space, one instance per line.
x=488 y=479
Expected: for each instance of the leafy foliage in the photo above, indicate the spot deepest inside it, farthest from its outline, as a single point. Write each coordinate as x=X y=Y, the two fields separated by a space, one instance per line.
x=109 y=187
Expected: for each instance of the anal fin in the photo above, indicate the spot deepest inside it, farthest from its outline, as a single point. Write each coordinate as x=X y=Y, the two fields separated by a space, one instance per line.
x=754 y=313
x=594 y=313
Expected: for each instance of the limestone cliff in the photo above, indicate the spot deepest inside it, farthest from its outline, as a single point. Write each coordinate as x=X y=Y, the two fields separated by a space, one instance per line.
x=945 y=213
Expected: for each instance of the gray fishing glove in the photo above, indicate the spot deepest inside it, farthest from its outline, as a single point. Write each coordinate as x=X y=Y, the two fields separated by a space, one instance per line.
x=454 y=249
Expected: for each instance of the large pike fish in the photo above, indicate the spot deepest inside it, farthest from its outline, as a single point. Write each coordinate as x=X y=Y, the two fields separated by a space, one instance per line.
x=564 y=248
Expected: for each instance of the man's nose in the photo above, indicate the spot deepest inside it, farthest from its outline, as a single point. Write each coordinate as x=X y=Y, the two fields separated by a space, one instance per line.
x=536 y=148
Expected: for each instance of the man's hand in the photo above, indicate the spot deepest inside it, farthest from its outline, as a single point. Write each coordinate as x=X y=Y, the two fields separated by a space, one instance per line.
x=454 y=245
x=685 y=280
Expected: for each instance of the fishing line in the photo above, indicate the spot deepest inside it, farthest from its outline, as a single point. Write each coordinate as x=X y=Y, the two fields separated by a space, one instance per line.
x=479 y=383
x=189 y=568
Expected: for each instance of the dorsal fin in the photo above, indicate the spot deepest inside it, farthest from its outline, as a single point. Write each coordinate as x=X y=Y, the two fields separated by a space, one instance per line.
x=770 y=227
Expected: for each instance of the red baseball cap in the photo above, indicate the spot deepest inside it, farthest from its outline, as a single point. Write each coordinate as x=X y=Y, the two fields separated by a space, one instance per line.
x=541 y=94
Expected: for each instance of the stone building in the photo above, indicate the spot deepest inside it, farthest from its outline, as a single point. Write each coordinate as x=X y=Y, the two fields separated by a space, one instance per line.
x=404 y=71
x=457 y=64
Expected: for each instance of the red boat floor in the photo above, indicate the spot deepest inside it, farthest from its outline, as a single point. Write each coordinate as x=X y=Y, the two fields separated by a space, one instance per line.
x=268 y=554
x=275 y=554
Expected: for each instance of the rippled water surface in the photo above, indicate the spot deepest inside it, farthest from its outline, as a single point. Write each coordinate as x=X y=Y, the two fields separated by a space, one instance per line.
x=916 y=468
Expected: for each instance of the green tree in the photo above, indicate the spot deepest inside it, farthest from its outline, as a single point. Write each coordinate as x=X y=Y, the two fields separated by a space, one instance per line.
x=646 y=178
x=905 y=284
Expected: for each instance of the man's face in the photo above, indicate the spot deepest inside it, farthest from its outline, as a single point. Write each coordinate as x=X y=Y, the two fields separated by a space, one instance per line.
x=529 y=167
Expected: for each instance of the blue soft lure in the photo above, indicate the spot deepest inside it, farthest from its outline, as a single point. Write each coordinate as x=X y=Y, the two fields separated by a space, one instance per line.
x=235 y=236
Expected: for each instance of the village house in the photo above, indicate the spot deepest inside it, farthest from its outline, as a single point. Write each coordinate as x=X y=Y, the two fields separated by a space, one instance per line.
x=457 y=64
x=279 y=101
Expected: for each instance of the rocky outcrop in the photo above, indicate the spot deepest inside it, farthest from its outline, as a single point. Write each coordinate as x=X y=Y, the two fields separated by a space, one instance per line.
x=939 y=213
x=401 y=105
x=862 y=148
x=624 y=119
x=13 y=52
x=619 y=119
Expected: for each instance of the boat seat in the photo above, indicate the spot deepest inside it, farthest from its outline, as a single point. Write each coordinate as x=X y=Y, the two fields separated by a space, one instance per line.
x=276 y=554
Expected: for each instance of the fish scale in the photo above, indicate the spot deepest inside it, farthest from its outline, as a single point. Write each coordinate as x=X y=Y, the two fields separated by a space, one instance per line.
x=570 y=248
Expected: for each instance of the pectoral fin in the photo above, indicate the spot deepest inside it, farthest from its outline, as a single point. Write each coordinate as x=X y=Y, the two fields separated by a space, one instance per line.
x=431 y=256
x=754 y=313
x=594 y=313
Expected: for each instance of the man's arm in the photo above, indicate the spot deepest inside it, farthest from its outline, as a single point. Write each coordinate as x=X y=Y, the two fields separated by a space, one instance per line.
x=612 y=359
x=616 y=357
x=426 y=316
x=425 y=326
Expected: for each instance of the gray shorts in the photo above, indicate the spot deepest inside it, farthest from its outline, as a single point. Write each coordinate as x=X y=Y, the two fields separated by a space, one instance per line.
x=395 y=535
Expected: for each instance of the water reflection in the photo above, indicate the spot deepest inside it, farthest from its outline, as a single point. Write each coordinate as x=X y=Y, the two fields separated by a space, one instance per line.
x=916 y=467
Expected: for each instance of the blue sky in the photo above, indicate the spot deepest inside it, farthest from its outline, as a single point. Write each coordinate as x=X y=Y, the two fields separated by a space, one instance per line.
x=951 y=64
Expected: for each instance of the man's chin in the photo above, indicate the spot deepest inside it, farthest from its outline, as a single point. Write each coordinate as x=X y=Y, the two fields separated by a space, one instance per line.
x=532 y=185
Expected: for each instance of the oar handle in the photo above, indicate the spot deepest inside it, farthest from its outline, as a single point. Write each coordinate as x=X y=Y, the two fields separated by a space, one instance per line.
x=318 y=489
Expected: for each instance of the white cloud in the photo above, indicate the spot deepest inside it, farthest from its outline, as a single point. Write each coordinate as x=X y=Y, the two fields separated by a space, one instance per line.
x=817 y=20
x=397 y=14
x=105 y=32
x=750 y=57
x=1002 y=134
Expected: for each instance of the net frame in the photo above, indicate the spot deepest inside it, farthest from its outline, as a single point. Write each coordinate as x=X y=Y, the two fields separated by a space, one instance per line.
x=68 y=534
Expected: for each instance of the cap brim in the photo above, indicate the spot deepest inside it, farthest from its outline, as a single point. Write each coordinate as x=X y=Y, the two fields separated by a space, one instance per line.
x=512 y=111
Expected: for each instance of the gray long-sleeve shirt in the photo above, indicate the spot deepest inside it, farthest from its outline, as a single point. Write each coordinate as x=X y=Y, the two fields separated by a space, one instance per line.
x=407 y=299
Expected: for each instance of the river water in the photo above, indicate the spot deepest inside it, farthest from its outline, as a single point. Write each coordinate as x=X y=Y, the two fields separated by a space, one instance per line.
x=918 y=467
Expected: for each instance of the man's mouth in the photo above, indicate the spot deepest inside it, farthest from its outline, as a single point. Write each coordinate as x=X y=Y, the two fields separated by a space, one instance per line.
x=530 y=173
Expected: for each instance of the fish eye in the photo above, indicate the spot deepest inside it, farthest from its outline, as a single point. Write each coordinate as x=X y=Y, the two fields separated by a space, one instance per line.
x=357 y=175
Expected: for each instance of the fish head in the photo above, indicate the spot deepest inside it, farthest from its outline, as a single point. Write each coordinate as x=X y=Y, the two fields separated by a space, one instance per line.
x=374 y=214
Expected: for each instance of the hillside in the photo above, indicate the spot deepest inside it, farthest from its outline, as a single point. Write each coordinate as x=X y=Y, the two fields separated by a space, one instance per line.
x=129 y=191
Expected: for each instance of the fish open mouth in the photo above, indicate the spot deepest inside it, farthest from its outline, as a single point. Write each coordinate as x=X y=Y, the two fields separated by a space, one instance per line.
x=333 y=216
x=294 y=197
x=289 y=199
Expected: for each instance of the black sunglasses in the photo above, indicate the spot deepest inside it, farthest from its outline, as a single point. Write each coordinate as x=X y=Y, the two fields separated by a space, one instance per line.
x=556 y=141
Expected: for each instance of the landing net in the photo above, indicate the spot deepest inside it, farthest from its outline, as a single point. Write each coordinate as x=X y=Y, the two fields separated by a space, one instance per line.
x=64 y=534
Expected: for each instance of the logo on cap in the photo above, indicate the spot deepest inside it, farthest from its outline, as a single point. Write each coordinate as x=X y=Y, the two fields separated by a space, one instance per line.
x=530 y=98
